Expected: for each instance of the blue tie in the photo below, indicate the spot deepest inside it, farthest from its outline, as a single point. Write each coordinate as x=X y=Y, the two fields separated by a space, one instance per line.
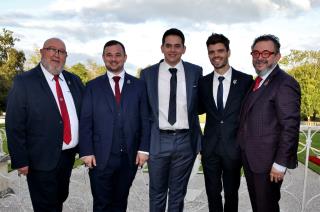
x=220 y=95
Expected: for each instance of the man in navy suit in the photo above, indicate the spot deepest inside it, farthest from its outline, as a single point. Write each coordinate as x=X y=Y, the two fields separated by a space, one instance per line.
x=114 y=130
x=269 y=126
x=42 y=126
x=220 y=96
x=172 y=87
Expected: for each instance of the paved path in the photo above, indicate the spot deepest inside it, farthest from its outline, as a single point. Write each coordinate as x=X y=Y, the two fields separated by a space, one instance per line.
x=80 y=199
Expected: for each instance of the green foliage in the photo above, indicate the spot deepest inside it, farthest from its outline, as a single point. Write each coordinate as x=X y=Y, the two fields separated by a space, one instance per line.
x=80 y=70
x=11 y=63
x=33 y=59
x=304 y=66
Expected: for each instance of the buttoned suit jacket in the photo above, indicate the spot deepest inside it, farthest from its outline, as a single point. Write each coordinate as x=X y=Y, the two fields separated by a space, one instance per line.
x=222 y=127
x=34 y=125
x=269 y=123
x=98 y=114
x=192 y=73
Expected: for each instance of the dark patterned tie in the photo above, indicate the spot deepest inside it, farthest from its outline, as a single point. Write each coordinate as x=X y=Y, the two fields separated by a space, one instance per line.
x=173 y=96
x=220 y=95
x=64 y=112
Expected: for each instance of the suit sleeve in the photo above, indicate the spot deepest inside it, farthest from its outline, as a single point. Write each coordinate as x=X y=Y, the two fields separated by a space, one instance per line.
x=145 y=121
x=288 y=113
x=16 y=124
x=86 y=124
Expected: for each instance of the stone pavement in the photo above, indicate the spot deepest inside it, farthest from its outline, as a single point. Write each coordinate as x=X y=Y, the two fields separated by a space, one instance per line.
x=80 y=199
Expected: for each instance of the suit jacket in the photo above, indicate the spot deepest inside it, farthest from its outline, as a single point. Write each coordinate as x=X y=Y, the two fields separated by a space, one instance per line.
x=269 y=123
x=98 y=114
x=192 y=74
x=222 y=127
x=33 y=122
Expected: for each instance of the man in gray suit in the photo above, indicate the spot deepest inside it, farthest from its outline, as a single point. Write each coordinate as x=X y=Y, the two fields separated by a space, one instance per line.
x=172 y=87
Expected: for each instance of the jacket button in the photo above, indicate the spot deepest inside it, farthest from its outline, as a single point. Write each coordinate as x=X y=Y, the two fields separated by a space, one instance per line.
x=221 y=122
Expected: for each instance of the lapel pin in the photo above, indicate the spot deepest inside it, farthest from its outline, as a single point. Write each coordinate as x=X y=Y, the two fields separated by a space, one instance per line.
x=266 y=83
x=128 y=81
x=234 y=81
x=69 y=83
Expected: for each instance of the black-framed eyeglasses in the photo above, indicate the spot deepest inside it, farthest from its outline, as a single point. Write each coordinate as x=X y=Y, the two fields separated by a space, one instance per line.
x=56 y=51
x=264 y=54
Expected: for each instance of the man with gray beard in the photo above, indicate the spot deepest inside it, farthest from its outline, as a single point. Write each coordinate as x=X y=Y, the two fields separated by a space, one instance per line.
x=269 y=126
x=42 y=126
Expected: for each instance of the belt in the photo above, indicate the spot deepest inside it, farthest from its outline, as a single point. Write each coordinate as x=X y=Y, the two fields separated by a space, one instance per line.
x=174 y=131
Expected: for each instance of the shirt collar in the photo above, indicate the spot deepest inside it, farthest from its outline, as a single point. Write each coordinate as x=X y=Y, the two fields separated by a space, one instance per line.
x=179 y=65
x=226 y=75
x=50 y=76
x=111 y=75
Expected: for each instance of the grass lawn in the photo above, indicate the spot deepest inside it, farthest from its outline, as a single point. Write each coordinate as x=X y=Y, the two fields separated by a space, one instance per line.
x=302 y=156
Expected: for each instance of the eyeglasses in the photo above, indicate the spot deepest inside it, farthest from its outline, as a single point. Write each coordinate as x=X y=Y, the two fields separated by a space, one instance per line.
x=264 y=54
x=54 y=51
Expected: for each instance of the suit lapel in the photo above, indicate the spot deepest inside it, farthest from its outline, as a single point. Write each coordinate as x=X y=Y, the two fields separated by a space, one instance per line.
x=154 y=98
x=72 y=89
x=233 y=90
x=189 y=75
x=126 y=92
x=260 y=92
x=107 y=90
x=46 y=88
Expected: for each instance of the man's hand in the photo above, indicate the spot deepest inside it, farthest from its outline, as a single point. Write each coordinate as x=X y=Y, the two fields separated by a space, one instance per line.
x=141 y=159
x=275 y=175
x=89 y=161
x=23 y=170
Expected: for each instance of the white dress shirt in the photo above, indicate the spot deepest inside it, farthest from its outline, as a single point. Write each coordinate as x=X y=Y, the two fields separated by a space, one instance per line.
x=111 y=81
x=164 y=97
x=74 y=122
x=226 y=85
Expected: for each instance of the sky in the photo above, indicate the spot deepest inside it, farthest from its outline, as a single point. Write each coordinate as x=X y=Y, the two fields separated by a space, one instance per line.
x=85 y=26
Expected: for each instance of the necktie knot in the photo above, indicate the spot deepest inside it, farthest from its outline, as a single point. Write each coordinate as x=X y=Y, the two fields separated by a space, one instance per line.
x=173 y=71
x=116 y=79
x=56 y=77
x=257 y=83
x=220 y=79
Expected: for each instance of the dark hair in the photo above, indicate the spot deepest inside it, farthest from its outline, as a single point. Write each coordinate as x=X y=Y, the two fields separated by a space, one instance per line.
x=268 y=37
x=112 y=43
x=173 y=31
x=218 y=38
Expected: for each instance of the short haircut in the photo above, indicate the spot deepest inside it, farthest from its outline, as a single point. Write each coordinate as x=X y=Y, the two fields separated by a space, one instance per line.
x=268 y=37
x=173 y=31
x=218 y=38
x=112 y=43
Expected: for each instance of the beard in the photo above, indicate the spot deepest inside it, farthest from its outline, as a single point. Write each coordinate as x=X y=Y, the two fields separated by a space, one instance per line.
x=52 y=68
x=266 y=70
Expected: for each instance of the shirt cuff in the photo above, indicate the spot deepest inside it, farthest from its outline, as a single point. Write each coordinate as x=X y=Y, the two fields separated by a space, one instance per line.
x=143 y=152
x=279 y=167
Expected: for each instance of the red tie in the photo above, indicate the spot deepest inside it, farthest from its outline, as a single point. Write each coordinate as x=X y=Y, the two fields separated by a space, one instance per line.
x=257 y=83
x=117 y=89
x=64 y=112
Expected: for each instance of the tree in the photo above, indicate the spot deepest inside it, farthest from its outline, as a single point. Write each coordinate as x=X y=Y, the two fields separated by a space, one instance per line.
x=80 y=70
x=11 y=64
x=304 y=66
x=33 y=59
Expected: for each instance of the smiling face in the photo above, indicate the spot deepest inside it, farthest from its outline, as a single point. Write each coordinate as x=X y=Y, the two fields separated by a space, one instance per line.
x=219 y=57
x=262 y=64
x=173 y=49
x=114 y=58
x=53 y=55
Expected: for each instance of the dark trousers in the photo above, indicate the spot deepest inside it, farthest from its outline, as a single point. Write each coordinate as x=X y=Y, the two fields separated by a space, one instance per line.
x=169 y=171
x=264 y=194
x=110 y=186
x=221 y=172
x=49 y=189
